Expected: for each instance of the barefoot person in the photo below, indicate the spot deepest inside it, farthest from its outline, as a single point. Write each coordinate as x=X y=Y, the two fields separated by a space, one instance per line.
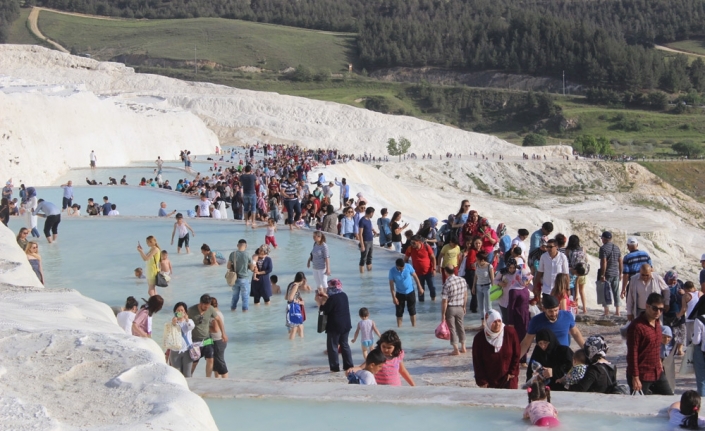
x=53 y=218
x=401 y=284
x=183 y=228
x=454 y=300
x=151 y=259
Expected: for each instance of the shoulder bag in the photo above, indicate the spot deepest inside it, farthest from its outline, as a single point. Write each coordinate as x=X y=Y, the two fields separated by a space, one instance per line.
x=193 y=351
x=230 y=274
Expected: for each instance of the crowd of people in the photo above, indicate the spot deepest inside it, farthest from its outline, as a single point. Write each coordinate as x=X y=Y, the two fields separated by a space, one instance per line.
x=525 y=287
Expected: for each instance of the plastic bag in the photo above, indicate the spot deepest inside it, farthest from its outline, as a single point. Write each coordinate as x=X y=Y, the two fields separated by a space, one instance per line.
x=442 y=331
x=172 y=337
x=687 y=363
x=461 y=269
x=534 y=310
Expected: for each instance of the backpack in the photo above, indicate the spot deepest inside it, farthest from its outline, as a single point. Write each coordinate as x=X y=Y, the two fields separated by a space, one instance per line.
x=614 y=387
x=578 y=257
x=353 y=379
x=534 y=257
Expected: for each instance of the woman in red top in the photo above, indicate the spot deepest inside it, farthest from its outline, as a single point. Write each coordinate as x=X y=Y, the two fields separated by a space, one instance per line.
x=489 y=239
x=469 y=229
x=470 y=266
x=495 y=354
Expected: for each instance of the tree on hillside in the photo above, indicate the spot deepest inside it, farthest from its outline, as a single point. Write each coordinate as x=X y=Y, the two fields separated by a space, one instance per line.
x=589 y=145
x=534 y=140
x=400 y=148
x=689 y=149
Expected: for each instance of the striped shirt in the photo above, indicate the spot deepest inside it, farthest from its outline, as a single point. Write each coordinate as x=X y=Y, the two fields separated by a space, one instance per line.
x=289 y=189
x=633 y=261
x=454 y=290
x=611 y=252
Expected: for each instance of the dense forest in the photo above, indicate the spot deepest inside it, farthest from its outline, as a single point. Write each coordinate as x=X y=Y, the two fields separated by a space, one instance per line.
x=600 y=43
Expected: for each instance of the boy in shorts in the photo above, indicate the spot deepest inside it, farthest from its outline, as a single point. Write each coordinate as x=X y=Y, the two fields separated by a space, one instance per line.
x=183 y=229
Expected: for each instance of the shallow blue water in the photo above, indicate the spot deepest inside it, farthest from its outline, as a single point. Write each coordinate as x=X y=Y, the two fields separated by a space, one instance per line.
x=279 y=414
x=97 y=256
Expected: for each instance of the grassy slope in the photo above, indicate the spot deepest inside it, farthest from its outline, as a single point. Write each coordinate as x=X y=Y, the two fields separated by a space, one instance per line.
x=19 y=33
x=228 y=42
x=656 y=126
x=688 y=177
x=695 y=46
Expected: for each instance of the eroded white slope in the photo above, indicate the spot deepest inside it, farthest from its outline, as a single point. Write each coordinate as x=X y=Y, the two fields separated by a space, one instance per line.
x=66 y=365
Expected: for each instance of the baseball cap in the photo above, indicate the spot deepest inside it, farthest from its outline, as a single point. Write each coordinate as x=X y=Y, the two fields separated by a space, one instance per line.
x=607 y=234
x=632 y=241
x=702 y=258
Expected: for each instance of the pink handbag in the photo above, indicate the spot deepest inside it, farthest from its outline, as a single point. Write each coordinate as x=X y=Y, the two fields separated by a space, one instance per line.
x=442 y=331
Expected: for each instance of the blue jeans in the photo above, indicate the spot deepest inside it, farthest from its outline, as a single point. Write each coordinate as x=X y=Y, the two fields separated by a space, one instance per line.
x=483 y=299
x=292 y=206
x=250 y=203
x=699 y=366
x=241 y=289
x=426 y=281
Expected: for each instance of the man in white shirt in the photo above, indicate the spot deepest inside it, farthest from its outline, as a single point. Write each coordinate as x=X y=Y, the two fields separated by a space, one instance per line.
x=551 y=264
x=126 y=317
x=519 y=241
x=214 y=212
x=203 y=206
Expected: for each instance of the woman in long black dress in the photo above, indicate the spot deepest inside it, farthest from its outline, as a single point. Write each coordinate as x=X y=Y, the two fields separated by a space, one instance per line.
x=555 y=359
x=261 y=287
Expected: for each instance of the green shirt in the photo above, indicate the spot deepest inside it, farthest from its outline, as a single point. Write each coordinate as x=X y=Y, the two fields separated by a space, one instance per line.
x=201 y=331
x=241 y=262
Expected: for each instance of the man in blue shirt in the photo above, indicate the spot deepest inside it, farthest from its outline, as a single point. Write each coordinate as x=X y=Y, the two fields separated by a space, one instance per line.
x=545 y=230
x=366 y=236
x=401 y=285
x=107 y=206
x=560 y=322
x=249 y=195
x=631 y=263
x=53 y=218
x=344 y=191
x=162 y=210
x=68 y=195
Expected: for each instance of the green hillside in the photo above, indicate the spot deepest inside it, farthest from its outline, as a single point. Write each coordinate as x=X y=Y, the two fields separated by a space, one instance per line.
x=226 y=42
x=18 y=33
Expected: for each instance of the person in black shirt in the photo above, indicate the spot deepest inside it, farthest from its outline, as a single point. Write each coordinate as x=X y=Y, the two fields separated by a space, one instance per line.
x=334 y=303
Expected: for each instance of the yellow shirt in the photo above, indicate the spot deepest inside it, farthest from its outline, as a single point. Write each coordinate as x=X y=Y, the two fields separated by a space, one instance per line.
x=450 y=255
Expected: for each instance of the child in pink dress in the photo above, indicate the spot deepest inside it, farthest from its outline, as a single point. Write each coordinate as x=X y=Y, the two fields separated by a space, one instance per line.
x=540 y=410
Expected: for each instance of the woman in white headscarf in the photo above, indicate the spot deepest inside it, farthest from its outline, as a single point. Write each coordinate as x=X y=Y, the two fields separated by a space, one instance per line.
x=495 y=354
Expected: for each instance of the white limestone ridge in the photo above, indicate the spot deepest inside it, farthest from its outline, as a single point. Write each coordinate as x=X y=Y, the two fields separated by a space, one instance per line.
x=238 y=116
x=67 y=365
x=48 y=125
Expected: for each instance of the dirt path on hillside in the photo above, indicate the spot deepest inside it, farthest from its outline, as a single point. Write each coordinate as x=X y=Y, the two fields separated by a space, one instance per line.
x=677 y=51
x=34 y=28
x=83 y=15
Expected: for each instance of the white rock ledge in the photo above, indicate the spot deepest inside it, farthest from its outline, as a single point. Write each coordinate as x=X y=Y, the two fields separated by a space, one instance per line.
x=66 y=365
x=620 y=405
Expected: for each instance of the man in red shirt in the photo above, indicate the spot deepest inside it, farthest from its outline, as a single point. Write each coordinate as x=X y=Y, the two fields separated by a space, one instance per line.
x=644 y=368
x=424 y=262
